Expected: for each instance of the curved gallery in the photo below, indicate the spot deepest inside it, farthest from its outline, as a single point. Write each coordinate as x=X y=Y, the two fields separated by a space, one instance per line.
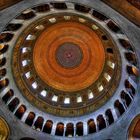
x=67 y=70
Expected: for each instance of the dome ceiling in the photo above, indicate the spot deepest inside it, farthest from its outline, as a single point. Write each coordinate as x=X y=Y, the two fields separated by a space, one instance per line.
x=67 y=69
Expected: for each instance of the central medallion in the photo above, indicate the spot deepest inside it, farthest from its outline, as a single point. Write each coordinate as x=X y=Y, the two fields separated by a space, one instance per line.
x=69 y=55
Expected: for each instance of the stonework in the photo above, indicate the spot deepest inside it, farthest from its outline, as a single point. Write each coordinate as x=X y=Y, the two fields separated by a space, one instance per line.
x=69 y=70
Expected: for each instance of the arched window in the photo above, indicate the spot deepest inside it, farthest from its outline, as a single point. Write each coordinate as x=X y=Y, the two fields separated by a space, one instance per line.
x=82 y=8
x=125 y=98
x=26 y=15
x=3 y=48
x=91 y=126
x=2 y=61
x=2 y=72
x=104 y=37
x=119 y=108
x=8 y=96
x=59 y=129
x=20 y=112
x=132 y=71
x=42 y=8
x=48 y=127
x=109 y=50
x=13 y=27
x=59 y=5
x=109 y=116
x=113 y=27
x=13 y=104
x=69 y=130
x=39 y=123
x=30 y=119
x=79 y=129
x=125 y=44
x=4 y=83
x=99 y=15
x=6 y=37
x=101 y=122
x=131 y=58
x=130 y=89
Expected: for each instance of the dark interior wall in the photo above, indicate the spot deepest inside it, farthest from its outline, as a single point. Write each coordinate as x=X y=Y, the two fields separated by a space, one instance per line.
x=128 y=8
x=7 y=3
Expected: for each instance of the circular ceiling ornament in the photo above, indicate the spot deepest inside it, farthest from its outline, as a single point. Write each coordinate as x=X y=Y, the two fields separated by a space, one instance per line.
x=66 y=60
x=63 y=77
x=69 y=55
x=67 y=66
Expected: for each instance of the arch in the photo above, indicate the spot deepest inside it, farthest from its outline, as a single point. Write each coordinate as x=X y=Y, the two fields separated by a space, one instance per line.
x=113 y=27
x=26 y=15
x=69 y=130
x=91 y=126
x=82 y=8
x=131 y=58
x=20 y=112
x=30 y=37
x=30 y=119
x=79 y=129
x=109 y=116
x=4 y=83
x=3 y=48
x=125 y=98
x=129 y=88
x=125 y=44
x=59 y=129
x=8 y=96
x=13 y=104
x=13 y=27
x=59 y=5
x=104 y=37
x=2 y=61
x=2 y=72
x=39 y=123
x=109 y=50
x=99 y=16
x=132 y=70
x=101 y=122
x=119 y=108
x=42 y=8
x=48 y=127
x=6 y=37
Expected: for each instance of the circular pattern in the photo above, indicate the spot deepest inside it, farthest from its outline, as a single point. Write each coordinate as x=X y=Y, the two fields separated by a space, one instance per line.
x=59 y=77
x=70 y=90
x=69 y=55
x=42 y=98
